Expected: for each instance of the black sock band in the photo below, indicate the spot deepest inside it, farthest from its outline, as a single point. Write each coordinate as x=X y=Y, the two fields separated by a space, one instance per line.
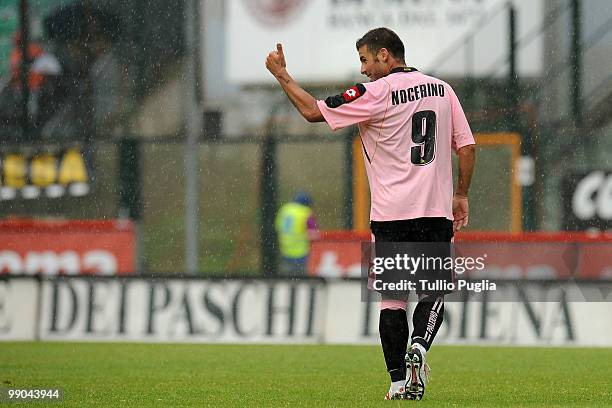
x=393 y=328
x=427 y=319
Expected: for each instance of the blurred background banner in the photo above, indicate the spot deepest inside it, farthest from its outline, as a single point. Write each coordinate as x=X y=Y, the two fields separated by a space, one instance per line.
x=80 y=247
x=555 y=256
x=319 y=36
x=587 y=198
x=44 y=173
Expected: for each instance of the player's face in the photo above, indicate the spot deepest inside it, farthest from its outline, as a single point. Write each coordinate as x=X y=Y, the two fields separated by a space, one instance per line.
x=371 y=65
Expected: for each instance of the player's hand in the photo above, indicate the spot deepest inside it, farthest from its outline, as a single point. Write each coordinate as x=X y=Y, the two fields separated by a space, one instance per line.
x=276 y=61
x=461 y=210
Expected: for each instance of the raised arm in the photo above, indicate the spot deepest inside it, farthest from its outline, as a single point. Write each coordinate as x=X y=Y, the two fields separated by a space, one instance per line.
x=305 y=103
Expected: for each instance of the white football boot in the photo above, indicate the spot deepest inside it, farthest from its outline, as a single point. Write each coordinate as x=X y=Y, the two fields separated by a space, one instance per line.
x=397 y=391
x=417 y=374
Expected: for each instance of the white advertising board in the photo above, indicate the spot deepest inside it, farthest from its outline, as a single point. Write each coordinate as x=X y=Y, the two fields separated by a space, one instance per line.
x=319 y=36
x=180 y=311
x=18 y=309
x=242 y=311
x=492 y=322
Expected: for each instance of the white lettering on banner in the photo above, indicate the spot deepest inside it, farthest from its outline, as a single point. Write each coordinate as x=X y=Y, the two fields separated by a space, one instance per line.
x=52 y=263
x=103 y=262
x=329 y=267
x=10 y=261
x=593 y=197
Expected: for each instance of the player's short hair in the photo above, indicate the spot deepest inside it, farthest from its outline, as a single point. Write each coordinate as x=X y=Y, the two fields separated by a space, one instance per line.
x=382 y=38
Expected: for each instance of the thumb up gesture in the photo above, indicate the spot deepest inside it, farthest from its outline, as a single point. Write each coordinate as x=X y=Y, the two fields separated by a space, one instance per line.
x=276 y=61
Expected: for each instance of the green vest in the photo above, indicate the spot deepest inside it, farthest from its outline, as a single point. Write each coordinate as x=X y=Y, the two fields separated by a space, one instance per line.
x=292 y=230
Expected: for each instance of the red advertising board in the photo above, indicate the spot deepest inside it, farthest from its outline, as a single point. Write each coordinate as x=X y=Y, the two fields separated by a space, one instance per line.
x=337 y=254
x=536 y=255
x=78 y=247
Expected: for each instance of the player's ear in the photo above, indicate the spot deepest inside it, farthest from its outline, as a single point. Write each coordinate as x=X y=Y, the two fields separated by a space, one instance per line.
x=383 y=55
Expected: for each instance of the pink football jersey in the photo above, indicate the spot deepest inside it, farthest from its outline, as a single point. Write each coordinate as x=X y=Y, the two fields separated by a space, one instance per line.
x=408 y=123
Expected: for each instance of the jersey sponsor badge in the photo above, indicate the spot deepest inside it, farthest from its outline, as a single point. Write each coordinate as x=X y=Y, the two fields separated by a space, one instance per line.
x=351 y=94
x=354 y=92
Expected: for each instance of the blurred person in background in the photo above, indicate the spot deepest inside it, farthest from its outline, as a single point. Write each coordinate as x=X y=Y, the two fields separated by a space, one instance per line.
x=43 y=77
x=295 y=226
x=84 y=34
x=409 y=123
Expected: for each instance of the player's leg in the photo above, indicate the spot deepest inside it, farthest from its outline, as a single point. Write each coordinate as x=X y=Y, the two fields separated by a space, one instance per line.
x=393 y=322
x=393 y=333
x=426 y=320
x=427 y=316
x=393 y=329
x=429 y=311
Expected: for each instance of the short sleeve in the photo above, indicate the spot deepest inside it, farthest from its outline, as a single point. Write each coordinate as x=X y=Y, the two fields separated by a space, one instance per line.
x=353 y=106
x=462 y=134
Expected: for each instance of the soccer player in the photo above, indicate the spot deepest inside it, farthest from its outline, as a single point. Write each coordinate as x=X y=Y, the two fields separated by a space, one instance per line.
x=408 y=123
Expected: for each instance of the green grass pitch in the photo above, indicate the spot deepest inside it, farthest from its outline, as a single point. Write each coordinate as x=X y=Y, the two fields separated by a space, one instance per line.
x=195 y=375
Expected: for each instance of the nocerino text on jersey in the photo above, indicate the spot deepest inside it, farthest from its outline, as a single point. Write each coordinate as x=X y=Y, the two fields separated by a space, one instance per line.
x=416 y=92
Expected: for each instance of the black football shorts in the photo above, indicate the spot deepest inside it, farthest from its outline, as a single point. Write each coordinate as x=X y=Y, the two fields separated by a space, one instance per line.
x=418 y=230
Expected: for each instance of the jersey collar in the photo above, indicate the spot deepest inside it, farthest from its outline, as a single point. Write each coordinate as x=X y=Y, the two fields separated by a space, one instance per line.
x=402 y=69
